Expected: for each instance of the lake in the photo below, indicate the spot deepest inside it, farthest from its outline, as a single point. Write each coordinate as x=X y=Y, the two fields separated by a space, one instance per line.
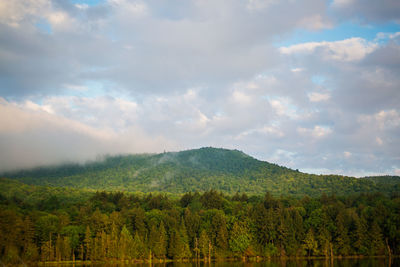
x=366 y=262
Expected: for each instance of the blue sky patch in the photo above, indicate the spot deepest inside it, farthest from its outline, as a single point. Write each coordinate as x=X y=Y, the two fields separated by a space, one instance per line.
x=88 y=2
x=44 y=26
x=339 y=32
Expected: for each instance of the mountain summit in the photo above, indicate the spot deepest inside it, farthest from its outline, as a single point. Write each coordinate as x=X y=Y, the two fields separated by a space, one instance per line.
x=201 y=169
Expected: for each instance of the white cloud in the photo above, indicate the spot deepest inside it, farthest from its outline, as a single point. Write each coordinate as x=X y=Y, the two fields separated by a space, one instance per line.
x=82 y=6
x=199 y=73
x=352 y=49
x=383 y=120
x=297 y=69
x=379 y=141
x=134 y=9
x=241 y=98
x=315 y=22
x=342 y=3
x=316 y=132
x=15 y=12
x=33 y=137
x=318 y=97
x=255 y=5
x=347 y=154
x=284 y=107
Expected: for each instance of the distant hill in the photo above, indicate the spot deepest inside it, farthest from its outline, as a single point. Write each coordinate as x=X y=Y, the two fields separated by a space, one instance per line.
x=228 y=171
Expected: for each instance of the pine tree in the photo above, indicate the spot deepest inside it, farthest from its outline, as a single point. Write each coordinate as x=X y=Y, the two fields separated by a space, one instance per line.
x=342 y=238
x=160 y=246
x=192 y=223
x=104 y=244
x=220 y=233
x=30 y=251
x=240 y=239
x=96 y=246
x=361 y=236
x=310 y=243
x=204 y=244
x=176 y=245
x=113 y=242
x=87 y=241
x=324 y=240
x=59 y=248
x=66 y=249
x=47 y=251
x=183 y=233
x=138 y=247
x=125 y=244
x=376 y=239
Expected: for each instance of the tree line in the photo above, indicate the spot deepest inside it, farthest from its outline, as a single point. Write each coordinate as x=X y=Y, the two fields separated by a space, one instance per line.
x=120 y=226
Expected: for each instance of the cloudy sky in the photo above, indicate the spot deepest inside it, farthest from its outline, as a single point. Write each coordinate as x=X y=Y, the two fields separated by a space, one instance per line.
x=310 y=84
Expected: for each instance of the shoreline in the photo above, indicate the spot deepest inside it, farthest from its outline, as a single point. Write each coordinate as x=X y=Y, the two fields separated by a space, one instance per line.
x=214 y=260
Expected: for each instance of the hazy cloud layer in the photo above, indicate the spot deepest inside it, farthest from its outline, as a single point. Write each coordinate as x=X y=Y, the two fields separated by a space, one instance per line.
x=367 y=10
x=77 y=81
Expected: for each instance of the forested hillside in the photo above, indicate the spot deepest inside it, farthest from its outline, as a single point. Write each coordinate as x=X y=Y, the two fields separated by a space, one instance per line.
x=242 y=207
x=228 y=171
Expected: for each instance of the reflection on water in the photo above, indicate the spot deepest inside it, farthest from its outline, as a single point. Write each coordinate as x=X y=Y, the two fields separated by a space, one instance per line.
x=272 y=263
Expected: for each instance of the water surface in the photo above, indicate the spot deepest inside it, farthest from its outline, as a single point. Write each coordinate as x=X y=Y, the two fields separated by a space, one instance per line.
x=366 y=262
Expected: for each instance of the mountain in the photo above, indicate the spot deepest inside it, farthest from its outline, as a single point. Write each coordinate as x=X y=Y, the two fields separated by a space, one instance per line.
x=228 y=171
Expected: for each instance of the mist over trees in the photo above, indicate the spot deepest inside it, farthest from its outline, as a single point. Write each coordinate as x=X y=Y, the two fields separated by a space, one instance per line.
x=228 y=171
x=113 y=210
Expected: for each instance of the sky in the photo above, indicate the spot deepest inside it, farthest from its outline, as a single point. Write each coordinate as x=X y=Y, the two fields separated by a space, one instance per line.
x=312 y=85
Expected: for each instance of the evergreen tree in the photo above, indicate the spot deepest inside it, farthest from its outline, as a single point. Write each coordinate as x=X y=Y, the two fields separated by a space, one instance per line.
x=220 y=233
x=87 y=244
x=137 y=218
x=59 y=248
x=66 y=251
x=376 y=239
x=239 y=238
x=178 y=245
x=324 y=241
x=204 y=244
x=138 y=247
x=192 y=223
x=30 y=251
x=183 y=233
x=47 y=251
x=342 y=238
x=310 y=243
x=160 y=246
x=361 y=236
x=125 y=244
x=113 y=242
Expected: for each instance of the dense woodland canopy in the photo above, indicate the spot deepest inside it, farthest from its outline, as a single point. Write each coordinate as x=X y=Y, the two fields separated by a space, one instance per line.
x=228 y=171
x=103 y=226
x=216 y=203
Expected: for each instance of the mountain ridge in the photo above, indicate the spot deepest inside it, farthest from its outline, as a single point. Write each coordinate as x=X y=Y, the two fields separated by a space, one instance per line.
x=202 y=169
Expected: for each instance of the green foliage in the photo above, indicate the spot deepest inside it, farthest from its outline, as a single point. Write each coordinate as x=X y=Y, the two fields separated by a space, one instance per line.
x=125 y=244
x=240 y=238
x=138 y=247
x=270 y=250
x=310 y=243
x=204 y=244
x=228 y=171
x=124 y=226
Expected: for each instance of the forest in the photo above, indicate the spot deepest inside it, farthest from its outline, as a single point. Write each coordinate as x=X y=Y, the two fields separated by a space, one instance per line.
x=227 y=171
x=120 y=226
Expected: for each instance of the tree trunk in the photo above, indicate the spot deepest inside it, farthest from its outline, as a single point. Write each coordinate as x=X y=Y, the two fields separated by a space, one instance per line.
x=388 y=248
